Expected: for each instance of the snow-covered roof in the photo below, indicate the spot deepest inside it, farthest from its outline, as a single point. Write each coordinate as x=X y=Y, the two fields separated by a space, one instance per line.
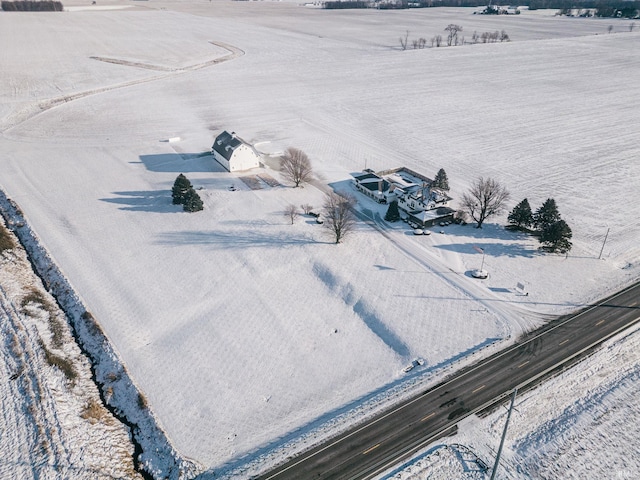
x=225 y=144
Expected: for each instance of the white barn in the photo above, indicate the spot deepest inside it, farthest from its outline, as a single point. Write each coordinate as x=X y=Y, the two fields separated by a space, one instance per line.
x=233 y=153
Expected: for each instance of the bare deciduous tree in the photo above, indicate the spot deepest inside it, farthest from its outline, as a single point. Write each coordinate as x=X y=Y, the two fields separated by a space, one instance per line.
x=306 y=208
x=404 y=40
x=453 y=30
x=296 y=166
x=291 y=211
x=419 y=43
x=338 y=215
x=485 y=198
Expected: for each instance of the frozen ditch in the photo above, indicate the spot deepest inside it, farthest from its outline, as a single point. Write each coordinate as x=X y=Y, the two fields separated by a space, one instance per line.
x=30 y=394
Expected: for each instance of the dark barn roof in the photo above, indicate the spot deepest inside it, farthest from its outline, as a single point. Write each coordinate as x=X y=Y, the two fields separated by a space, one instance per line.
x=225 y=144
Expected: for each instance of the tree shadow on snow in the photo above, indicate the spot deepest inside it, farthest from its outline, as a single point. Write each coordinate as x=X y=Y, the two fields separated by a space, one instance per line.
x=231 y=241
x=158 y=201
x=181 y=162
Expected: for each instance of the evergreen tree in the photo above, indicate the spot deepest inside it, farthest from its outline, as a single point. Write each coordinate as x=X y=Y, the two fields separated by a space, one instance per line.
x=441 y=181
x=521 y=214
x=192 y=201
x=556 y=236
x=180 y=188
x=546 y=215
x=393 y=214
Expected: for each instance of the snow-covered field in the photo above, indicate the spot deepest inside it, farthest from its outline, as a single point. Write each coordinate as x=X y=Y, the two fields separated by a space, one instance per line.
x=242 y=330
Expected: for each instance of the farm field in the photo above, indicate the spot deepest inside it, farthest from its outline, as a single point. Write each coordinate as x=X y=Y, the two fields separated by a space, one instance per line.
x=243 y=331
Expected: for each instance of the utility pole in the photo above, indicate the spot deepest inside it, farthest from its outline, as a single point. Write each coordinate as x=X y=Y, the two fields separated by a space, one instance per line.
x=504 y=434
x=605 y=241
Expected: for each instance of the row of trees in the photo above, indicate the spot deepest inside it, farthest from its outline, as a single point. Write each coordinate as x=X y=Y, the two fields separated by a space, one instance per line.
x=337 y=210
x=184 y=194
x=487 y=197
x=554 y=233
x=532 y=4
x=337 y=214
x=453 y=39
x=31 y=6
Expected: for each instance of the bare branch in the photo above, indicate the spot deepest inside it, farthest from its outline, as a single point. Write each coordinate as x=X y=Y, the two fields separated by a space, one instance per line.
x=338 y=215
x=404 y=40
x=485 y=198
x=291 y=211
x=296 y=166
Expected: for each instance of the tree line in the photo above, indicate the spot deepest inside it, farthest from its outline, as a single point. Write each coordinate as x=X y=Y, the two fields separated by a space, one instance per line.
x=487 y=197
x=553 y=232
x=602 y=5
x=31 y=6
x=453 y=38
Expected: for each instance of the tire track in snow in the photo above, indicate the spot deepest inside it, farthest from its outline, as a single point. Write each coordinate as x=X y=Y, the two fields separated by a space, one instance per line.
x=31 y=111
x=506 y=313
x=41 y=439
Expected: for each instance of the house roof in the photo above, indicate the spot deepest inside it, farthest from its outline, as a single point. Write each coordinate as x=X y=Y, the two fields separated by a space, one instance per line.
x=225 y=144
x=374 y=185
x=365 y=176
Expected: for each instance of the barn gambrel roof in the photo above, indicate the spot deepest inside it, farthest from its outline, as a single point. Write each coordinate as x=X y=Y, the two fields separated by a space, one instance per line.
x=225 y=144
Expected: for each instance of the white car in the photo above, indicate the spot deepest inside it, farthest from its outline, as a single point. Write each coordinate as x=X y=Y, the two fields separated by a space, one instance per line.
x=482 y=274
x=418 y=231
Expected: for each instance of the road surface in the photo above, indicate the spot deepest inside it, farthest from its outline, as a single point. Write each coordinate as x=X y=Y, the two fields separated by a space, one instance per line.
x=369 y=449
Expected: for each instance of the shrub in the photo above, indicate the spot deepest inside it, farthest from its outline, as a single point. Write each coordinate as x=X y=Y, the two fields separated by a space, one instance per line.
x=93 y=411
x=393 y=214
x=63 y=364
x=6 y=239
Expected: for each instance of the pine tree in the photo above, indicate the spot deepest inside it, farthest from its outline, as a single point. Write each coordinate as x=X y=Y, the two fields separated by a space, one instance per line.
x=556 y=237
x=441 y=181
x=393 y=214
x=546 y=215
x=180 y=188
x=521 y=214
x=192 y=201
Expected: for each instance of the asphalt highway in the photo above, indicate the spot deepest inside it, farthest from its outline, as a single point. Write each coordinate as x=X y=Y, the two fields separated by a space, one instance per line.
x=371 y=448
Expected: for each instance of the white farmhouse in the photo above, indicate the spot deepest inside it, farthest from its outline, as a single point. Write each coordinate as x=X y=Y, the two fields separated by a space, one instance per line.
x=233 y=153
x=419 y=203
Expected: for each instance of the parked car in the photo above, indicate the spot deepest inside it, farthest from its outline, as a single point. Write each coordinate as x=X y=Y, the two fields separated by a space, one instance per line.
x=417 y=231
x=413 y=364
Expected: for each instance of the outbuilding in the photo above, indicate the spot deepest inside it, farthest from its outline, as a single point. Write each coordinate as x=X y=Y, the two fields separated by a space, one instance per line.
x=233 y=153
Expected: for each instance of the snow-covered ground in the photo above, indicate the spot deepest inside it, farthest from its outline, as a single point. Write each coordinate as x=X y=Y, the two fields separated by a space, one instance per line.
x=243 y=331
x=52 y=424
x=581 y=424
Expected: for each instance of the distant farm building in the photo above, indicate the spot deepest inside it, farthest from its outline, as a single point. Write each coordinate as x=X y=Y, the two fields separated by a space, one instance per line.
x=418 y=201
x=233 y=153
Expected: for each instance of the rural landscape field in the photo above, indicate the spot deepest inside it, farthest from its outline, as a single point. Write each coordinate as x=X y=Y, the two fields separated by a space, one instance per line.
x=249 y=337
